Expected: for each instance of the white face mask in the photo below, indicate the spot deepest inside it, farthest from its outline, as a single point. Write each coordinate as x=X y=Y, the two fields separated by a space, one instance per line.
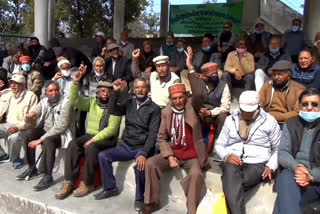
x=98 y=74
x=65 y=73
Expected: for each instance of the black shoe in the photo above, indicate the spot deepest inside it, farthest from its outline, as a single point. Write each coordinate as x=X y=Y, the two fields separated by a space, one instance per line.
x=45 y=183
x=4 y=158
x=27 y=175
x=150 y=208
x=106 y=194
x=138 y=206
x=23 y=175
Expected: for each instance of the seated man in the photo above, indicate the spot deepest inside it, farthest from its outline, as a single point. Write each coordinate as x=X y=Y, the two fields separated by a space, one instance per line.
x=160 y=81
x=14 y=107
x=306 y=71
x=64 y=76
x=239 y=66
x=138 y=138
x=178 y=62
x=267 y=60
x=181 y=145
x=53 y=115
x=248 y=145
x=298 y=183
x=279 y=97
x=11 y=63
x=102 y=133
x=211 y=96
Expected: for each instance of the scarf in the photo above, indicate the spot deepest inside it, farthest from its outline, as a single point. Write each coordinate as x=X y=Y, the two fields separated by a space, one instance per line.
x=178 y=130
x=104 y=121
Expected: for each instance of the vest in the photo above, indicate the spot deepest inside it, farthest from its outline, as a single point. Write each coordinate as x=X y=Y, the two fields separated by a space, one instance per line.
x=213 y=98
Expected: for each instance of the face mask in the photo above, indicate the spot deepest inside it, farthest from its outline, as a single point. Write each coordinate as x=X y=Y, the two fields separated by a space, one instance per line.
x=259 y=31
x=274 y=51
x=65 y=73
x=141 y=99
x=241 y=50
x=309 y=116
x=295 y=28
x=169 y=44
x=99 y=74
x=54 y=100
x=214 y=79
x=206 y=49
x=26 y=67
x=180 y=50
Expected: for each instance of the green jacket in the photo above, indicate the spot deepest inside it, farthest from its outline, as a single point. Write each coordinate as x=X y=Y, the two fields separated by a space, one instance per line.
x=89 y=104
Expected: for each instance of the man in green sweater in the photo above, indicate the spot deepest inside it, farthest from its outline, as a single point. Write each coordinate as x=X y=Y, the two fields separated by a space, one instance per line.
x=102 y=132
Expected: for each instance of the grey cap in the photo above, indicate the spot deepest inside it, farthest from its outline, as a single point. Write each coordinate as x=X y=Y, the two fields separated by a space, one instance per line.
x=105 y=84
x=113 y=46
x=281 y=65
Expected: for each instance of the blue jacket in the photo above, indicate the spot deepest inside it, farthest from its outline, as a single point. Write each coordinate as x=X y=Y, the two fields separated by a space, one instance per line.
x=309 y=78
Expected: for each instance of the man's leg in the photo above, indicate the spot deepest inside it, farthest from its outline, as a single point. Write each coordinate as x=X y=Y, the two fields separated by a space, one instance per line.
x=192 y=184
x=252 y=175
x=249 y=82
x=226 y=76
x=15 y=142
x=289 y=194
x=4 y=135
x=140 y=183
x=260 y=78
x=232 y=180
x=219 y=122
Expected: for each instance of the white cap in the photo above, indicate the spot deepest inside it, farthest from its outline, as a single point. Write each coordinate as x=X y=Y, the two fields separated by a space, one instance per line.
x=249 y=101
x=160 y=60
x=100 y=34
x=18 y=78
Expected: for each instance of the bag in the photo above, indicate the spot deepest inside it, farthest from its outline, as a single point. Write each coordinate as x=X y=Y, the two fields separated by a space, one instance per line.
x=213 y=203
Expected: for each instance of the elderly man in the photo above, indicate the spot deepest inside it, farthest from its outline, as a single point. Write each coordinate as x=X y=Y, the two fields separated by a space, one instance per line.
x=100 y=44
x=226 y=41
x=248 y=145
x=126 y=46
x=11 y=63
x=138 y=139
x=102 y=132
x=306 y=71
x=64 y=76
x=259 y=41
x=211 y=96
x=34 y=78
x=298 y=183
x=169 y=48
x=181 y=145
x=117 y=66
x=54 y=119
x=14 y=107
x=240 y=66
x=37 y=53
x=279 y=97
x=178 y=62
x=267 y=60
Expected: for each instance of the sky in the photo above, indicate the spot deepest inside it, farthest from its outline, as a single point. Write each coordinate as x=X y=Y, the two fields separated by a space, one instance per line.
x=295 y=4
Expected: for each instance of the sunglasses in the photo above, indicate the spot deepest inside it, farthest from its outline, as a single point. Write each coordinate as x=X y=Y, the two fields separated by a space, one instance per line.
x=306 y=104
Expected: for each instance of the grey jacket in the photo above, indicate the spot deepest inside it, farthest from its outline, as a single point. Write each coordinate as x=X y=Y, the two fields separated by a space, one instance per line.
x=9 y=65
x=197 y=62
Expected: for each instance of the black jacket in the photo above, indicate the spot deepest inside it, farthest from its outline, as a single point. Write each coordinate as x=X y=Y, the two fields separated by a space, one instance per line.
x=142 y=125
x=122 y=69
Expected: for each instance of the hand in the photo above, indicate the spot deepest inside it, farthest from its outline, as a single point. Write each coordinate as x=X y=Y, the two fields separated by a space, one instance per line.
x=258 y=55
x=124 y=84
x=13 y=130
x=31 y=115
x=141 y=162
x=237 y=75
x=302 y=175
x=47 y=64
x=234 y=159
x=88 y=143
x=205 y=112
x=148 y=70
x=80 y=73
x=2 y=84
x=173 y=162
x=136 y=54
x=117 y=85
x=33 y=144
x=189 y=61
x=104 y=52
x=267 y=173
x=57 y=76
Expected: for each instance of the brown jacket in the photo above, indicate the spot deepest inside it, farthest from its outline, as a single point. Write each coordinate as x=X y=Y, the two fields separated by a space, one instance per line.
x=34 y=81
x=295 y=89
x=192 y=119
x=245 y=65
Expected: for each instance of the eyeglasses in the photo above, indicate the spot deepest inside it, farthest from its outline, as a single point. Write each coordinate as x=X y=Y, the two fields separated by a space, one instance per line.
x=306 y=104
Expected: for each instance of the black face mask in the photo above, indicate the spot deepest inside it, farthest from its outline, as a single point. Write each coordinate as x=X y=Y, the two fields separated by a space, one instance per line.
x=102 y=103
x=54 y=100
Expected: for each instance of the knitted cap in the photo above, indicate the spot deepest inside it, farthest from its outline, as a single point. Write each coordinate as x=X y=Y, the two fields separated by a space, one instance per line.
x=177 y=88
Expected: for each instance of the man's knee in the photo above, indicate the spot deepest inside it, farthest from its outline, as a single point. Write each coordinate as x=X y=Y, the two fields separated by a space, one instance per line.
x=104 y=156
x=249 y=77
x=286 y=177
x=196 y=173
x=226 y=76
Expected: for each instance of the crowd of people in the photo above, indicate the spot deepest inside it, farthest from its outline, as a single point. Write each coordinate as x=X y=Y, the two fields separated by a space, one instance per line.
x=172 y=104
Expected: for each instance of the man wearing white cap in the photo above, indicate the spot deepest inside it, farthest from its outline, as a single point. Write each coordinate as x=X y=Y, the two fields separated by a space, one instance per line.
x=248 y=145
x=101 y=43
x=14 y=106
x=64 y=76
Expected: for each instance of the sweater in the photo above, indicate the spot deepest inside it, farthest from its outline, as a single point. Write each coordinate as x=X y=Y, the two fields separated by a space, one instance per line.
x=244 y=64
x=95 y=115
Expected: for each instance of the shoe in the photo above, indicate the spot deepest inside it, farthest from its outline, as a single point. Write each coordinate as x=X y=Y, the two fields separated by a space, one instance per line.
x=27 y=175
x=17 y=164
x=45 y=183
x=107 y=194
x=65 y=190
x=4 y=158
x=82 y=190
x=138 y=206
x=150 y=208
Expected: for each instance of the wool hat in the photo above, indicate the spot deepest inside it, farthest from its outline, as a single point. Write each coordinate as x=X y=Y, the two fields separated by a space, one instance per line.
x=209 y=65
x=249 y=101
x=105 y=84
x=25 y=59
x=18 y=78
x=160 y=60
x=281 y=65
x=177 y=88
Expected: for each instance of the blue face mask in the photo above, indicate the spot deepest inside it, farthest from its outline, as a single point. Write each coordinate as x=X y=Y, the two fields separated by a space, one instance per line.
x=309 y=116
x=274 y=50
x=141 y=99
x=180 y=50
x=295 y=28
x=206 y=49
x=214 y=79
x=26 y=67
